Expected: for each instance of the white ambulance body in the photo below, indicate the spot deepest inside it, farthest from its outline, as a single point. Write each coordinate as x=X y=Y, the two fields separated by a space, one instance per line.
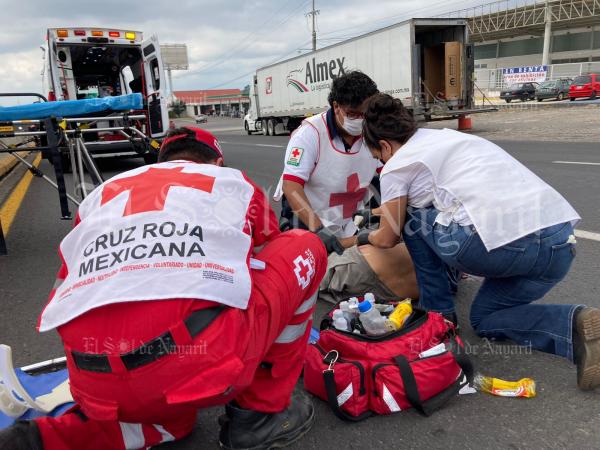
x=86 y=62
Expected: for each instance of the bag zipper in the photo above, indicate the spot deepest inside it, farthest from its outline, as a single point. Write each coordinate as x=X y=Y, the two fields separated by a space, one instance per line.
x=378 y=366
x=374 y=372
x=359 y=366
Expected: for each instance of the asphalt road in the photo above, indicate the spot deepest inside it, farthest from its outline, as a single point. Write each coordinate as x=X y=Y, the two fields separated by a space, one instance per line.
x=560 y=416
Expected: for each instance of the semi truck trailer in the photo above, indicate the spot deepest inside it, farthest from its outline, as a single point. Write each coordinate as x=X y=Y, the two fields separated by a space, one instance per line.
x=426 y=63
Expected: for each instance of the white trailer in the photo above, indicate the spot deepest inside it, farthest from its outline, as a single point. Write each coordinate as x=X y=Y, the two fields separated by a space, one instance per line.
x=427 y=63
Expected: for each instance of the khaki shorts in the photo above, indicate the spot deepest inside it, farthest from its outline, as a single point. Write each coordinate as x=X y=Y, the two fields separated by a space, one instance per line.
x=349 y=275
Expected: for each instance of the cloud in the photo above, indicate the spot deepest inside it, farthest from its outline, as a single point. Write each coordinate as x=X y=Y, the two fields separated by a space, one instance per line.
x=227 y=39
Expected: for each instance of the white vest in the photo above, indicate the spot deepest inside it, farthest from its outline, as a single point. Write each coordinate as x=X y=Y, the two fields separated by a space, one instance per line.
x=339 y=183
x=148 y=234
x=504 y=199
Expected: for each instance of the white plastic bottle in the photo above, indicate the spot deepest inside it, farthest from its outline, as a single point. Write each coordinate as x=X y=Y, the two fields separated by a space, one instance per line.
x=339 y=321
x=372 y=320
x=349 y=311
x=370 y=297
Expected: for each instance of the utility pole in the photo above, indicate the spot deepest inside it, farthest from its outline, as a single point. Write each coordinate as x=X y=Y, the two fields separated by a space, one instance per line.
x=313 y=15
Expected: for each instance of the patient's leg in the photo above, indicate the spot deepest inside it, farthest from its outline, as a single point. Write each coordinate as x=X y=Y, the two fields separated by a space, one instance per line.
x=394 y=268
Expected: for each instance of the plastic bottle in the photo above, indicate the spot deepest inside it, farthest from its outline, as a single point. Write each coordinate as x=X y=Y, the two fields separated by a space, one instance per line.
x=350 y=311
x=401 y=314
x=525 y=387
x=370 y=297
x=372 y=320
x=339 y=321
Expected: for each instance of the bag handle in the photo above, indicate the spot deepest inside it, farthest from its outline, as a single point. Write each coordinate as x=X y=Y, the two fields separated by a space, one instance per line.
x=461 y=358
x=410 y=385
x=330 y=389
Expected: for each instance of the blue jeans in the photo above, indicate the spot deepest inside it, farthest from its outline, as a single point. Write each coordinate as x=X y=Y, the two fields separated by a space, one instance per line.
x=515 y=275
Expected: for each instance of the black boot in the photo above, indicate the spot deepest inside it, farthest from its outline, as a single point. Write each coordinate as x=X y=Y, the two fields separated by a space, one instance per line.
x=22 y=435
x=252 y=430
x=586 y=347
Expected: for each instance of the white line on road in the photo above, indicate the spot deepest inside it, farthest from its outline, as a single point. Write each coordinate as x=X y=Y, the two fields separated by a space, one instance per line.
x=253 y=145
x=577 y=163
x=587 y=235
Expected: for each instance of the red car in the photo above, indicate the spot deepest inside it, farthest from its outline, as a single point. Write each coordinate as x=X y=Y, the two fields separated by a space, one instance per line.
x=585 y=86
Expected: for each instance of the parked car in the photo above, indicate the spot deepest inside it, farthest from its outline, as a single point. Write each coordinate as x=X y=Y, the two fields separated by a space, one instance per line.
x=519 y=91
x=585 y=86
x=556 y=89
x=201 y=118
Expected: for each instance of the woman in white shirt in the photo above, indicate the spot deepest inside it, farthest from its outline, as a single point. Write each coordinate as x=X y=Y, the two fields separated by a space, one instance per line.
x=463 y=201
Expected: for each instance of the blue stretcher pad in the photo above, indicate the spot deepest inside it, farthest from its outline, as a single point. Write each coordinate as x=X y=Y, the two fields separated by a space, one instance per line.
x=37 y=385
x=71 y=108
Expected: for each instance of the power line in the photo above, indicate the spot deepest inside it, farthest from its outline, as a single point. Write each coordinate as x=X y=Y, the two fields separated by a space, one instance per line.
x=279 y=58
x=407 y=14
x=247 y=43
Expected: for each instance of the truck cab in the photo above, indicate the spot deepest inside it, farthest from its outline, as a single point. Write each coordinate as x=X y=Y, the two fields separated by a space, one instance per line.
x=98 y=62
x=251 y=122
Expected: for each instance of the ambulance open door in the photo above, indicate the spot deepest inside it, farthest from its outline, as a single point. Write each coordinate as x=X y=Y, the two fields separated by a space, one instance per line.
x=154 y=77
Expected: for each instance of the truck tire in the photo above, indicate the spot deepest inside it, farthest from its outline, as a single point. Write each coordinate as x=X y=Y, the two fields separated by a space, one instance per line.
x=271 y=124
x=593 y=96
x=247 y=128
x=265 y=128
x=508 y=100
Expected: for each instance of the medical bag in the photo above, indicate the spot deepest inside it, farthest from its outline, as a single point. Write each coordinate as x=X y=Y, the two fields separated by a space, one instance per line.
x=422 y=365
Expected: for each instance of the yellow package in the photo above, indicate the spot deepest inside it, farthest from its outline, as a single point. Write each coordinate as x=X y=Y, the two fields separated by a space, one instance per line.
x=525 y=387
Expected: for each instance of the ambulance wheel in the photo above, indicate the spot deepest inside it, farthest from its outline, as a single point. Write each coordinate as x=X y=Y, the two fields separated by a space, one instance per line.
x=265 y=128
x=271 y=124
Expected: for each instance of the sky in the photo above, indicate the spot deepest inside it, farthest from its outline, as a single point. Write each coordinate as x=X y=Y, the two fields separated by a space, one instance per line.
x=227 y=39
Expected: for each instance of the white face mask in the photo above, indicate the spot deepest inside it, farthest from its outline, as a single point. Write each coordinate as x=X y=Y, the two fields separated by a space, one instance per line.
x=353 y=126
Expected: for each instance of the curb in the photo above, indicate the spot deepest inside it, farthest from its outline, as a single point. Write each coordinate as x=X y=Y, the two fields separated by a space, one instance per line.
x=7 y=164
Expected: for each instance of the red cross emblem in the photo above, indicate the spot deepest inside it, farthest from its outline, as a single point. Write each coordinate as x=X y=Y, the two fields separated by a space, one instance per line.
x=349 y=200
x=148 y=190
x=304 y=271
x=296 y=153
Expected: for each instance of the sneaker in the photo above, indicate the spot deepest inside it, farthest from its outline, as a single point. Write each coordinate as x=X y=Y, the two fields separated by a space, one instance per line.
x=252 y=430
x=22 y=435
x=586 y=347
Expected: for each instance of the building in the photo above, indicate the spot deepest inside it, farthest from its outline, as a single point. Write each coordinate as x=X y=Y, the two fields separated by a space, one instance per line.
x=227 y=102
x=563 y=35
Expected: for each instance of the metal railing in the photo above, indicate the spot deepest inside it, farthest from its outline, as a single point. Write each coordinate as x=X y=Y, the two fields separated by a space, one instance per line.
x=491 y=20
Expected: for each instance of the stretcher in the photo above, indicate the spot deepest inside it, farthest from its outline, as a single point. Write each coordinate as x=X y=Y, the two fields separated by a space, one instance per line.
x=28 y=392
x=58 y=130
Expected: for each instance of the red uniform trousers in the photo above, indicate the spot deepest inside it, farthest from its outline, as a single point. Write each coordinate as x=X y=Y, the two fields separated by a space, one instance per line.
x=254 y=356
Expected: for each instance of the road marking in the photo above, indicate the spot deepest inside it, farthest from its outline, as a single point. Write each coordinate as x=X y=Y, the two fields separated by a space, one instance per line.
x=587 y=235
x=11 y=206
x=253 y=145
x=577 y=163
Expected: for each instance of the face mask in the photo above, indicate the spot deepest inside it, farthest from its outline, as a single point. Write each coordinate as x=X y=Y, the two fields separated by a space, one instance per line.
x=353 y=126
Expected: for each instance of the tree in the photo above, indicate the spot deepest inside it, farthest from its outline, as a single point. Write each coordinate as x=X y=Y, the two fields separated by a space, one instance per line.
x=178 y=107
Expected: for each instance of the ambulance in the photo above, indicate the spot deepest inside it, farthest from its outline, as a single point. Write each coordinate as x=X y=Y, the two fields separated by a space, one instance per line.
x=82 y=63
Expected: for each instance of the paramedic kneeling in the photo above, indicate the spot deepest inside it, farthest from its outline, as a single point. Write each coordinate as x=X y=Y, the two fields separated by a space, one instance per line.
x=328 y=169
x=162 y=310
x=469 y=204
